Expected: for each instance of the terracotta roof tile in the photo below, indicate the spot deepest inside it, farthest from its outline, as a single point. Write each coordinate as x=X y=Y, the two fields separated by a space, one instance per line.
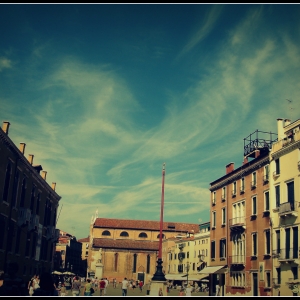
x=145 y=225
x=125 y=244
x=84 y=240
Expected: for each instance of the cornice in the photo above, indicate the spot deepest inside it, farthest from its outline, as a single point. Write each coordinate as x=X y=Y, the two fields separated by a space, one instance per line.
x=286 y=149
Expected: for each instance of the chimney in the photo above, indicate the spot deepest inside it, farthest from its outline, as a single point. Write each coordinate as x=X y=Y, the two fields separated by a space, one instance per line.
x=53 y=185
x=280 y=129
x=44 y=174
x=5 y=126
x=22 y=147
x=30 y=158
x=257 y=153
x=287 y=122
x=229 y=168
x=245 y=161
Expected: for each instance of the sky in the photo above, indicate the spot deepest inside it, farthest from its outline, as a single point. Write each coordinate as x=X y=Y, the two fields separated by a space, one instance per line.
x=104 y=94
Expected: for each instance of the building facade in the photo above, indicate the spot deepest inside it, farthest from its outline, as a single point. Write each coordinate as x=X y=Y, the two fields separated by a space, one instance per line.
x=129 y=248
x=241 y=258
x=28 y=210
x=285 y=196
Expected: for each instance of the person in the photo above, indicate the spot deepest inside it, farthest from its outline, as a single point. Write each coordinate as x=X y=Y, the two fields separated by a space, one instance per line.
x=96 y=283
x=63 y=290
x=102 y=284
x=133 y=285
x=87 y=288
x=12 y=284
x=181 y=292
x=124 y=286
x=115 y=283
x=141 y=286
x=217 y=289
x=106 y=285
x=76 y=285
x=188 y=290
x=30 y=289
x=46 y=286
x=160 y=292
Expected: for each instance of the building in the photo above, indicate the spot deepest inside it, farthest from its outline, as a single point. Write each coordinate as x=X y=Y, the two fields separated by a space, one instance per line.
x=84 y=255
x=68 y=254
x=129 y=248
x=28 y=210
x=187 y=255
x=285 y=197
x=241 y=260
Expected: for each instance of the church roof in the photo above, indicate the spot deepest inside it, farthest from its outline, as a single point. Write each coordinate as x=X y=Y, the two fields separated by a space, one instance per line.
x=145 y=225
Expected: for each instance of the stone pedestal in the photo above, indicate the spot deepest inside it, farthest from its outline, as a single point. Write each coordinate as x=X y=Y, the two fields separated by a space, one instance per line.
x=155 y=286
x=99 y=270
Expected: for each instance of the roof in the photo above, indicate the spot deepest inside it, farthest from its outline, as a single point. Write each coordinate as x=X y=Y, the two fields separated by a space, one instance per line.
x=84 y=240
x=125 y=244
x=145 y=225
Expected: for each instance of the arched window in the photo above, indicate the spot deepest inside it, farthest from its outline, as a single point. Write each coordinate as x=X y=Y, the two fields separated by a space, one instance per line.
x=143 y=235
x=106 y=233
x=163 y=236
x=6 y=182
x=124 y=233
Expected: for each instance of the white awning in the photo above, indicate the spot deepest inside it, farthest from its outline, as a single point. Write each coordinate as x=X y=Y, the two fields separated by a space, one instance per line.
x=195 y=277
x=211 y=270
x=174 y=277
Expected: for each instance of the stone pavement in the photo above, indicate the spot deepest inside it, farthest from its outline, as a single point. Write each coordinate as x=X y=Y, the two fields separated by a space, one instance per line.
x=117 y=292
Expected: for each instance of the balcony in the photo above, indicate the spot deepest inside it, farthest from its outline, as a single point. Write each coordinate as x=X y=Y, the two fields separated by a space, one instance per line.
x=288 y=209
x=223 y=198
x=237 y=223
x=213 y=202
x=24 y=216
x=237 y=260
x=288 y=255
x=266 y=179
x=233 y=194
x=242 y=190
x=276 y=174
x=34 y=222
x=253 y=185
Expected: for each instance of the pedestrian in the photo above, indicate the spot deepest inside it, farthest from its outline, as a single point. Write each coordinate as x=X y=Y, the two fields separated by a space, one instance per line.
x=181 y=292
x=160 y=292
x=141 y=286
x=217 y=289
x=76 y=285
x=102 y=284
x=30 y=290
x=12 y=284
x=115 y=283
x=125 y=284
x=47 y=287
x=106 y=285
x=87 y=288
x=133 y=285
x=63 y=290
x=188 y=290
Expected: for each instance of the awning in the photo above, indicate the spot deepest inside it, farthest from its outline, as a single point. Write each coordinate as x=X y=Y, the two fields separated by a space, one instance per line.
x=194 y=277
x=174 y=277
x=214 y=269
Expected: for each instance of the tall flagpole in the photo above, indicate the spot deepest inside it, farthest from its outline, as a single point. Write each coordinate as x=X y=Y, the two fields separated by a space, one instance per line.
x=159 y=275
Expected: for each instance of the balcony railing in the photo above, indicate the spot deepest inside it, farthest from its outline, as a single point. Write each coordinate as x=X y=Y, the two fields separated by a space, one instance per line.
x=242 y=190
x=237 y=260
x=288 y=208
x=233 y=193
x=266 y=179
x=237 y=222
x=287 y=254
x=223 y=198
x=253 y=184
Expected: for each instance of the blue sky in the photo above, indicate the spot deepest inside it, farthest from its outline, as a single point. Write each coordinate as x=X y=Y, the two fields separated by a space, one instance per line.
x=104 y=94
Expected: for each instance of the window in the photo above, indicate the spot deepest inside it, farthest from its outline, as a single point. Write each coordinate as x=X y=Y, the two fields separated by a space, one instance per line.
x=277 y=167
x=238 y=213
x=6 y=182
x=253 y=183
x=224 y=193
x=124 y=233
x=254 y=206
x=267 y=201
x=213 y=219
x=158 y=236
x=268 y=279
x=277 y=195
x=134 y=263
x=237 y=278
x=143 y=235
x=291 y=194
x=238 y=249
x=223 y=216
x=295 y=272
x=23 y=192
x=116 y=262
x=213 y=198
x=267 y=242
x=223 y=248
x=242 y=185
x=277 y=242
x=254 y=244
x=15 y=190
x=234 y=188
x=266 y=173
x=213 y=250
x=148 y=264
x=278 y=271
x=106 y=233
